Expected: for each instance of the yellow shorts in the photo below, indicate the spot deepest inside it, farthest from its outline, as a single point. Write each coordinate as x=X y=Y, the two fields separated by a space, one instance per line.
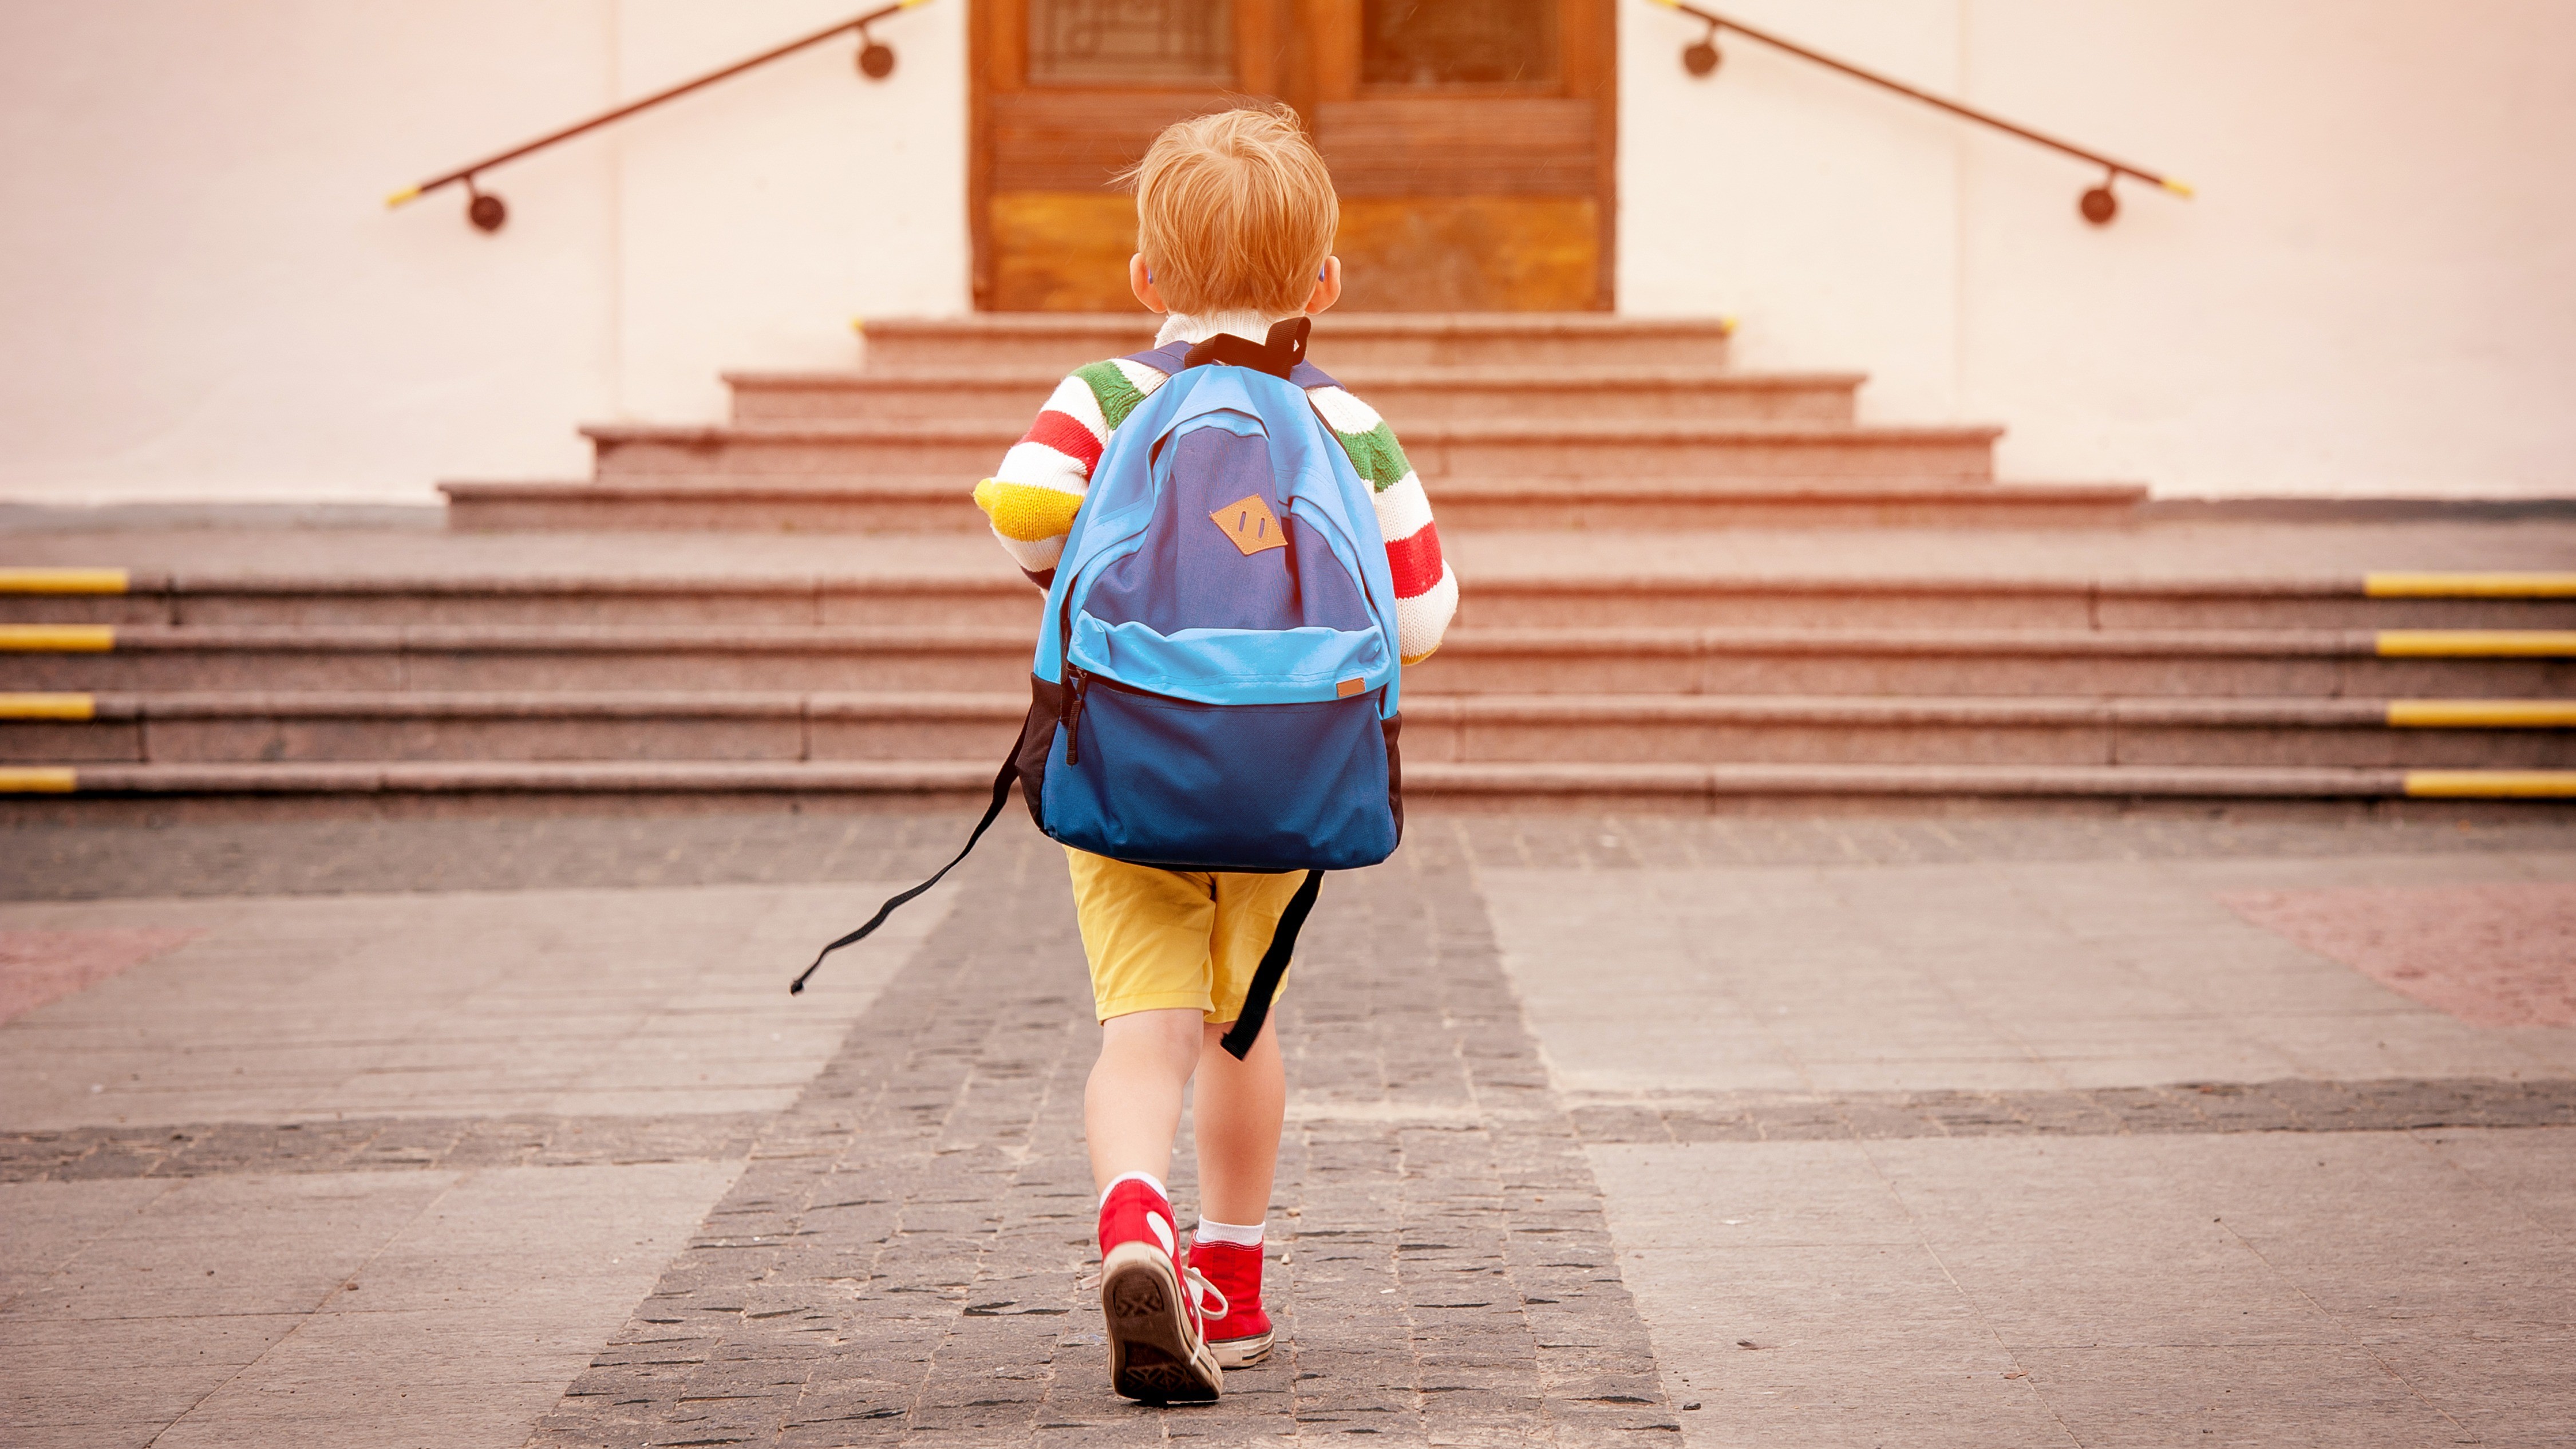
x=1163 y=939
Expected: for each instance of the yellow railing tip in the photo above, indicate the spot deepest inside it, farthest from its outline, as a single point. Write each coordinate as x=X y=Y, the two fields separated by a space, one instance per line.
x=909 y=4
x=1726 y=325
x=37 y=780
x=408 y=193
x=64 y=581
x=859 y=325
x=2180 y=188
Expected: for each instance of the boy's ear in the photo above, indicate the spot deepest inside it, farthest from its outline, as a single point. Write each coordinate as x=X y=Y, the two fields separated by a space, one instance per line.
x=1328 y=288
x=1140 y=280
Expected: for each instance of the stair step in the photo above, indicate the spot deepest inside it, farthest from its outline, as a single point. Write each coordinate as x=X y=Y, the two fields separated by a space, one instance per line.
x=1430 y=783
x=940 y=504
x=1408 y=397
x=1515 y=449
x=1001 y=598
x=276 y=727
x=1064 y=341
x=2232 y=662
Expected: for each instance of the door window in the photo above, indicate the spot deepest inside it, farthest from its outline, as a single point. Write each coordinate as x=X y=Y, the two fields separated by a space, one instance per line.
x=1131 y=42
x=1458 y=42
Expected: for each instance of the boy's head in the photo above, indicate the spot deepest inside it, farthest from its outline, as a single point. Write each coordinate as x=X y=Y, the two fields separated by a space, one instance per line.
x=1235 y=213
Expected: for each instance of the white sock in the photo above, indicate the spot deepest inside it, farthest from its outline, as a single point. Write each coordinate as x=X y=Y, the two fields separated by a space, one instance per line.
x=1212 y=1231
x=1147 y=1178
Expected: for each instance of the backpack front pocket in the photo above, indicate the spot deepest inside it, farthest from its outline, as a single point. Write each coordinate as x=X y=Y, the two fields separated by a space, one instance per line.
x=1192 y=786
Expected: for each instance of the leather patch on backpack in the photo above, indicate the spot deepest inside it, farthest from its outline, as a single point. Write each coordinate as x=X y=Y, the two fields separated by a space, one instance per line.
x=1250 y=524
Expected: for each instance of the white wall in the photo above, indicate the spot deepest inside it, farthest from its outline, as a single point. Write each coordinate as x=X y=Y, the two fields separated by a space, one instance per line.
x=2375 y=292
x=203 y=297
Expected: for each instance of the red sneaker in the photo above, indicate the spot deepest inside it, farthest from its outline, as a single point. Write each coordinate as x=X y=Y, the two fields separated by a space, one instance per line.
x=1157 y=1346
x=1240 y=1337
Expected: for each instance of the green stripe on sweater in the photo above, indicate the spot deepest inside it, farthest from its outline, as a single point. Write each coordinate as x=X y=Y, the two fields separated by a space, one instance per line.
x=1376 y=456
x=1111 y=389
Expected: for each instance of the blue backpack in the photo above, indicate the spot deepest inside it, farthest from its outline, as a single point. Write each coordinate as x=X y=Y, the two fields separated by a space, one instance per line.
x=1215 y=685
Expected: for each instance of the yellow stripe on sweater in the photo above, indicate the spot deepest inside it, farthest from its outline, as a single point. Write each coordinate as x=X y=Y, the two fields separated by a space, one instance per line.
x=2492 y=784
x=2483 y=714
x=2470 y=586
x=63 y=581
x=58 y=638
x=1025 y=512
x=48 y=706
x=2478 y=643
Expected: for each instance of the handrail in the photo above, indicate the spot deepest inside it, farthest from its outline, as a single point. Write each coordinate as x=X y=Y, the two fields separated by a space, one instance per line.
x=2097 y=205
x=486 y=211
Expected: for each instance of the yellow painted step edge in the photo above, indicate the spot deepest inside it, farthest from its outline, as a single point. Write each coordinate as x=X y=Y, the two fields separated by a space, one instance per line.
x=2492 y=784
x=2478 y=643
x=2470 y=586
x=58 y=638
x=37 y=780
x=2483 y=714
x=48 y=706
x=64 y=581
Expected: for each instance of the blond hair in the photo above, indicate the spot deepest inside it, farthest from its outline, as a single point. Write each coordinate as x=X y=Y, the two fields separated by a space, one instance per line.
x=1235 y=212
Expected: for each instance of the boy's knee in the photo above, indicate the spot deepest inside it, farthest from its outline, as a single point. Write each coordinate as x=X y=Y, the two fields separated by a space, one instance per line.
x=1169 y=1034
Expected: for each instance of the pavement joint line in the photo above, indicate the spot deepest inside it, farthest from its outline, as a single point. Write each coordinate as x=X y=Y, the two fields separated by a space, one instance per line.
x=369 y=1144
x=2297 y=1104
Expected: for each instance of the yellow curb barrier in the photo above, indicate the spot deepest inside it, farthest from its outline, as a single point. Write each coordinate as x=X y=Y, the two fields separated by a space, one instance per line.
x=2469 y=586
x=64 y=581
x=38 y=780
x=58 y=638
x=2483 y=714
x=48 y=706
x=2478 y=643
x=2492 y=784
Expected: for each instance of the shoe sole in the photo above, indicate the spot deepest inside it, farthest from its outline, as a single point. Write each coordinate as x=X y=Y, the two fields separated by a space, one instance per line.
x=1235 y=1353
x=1153 y=1353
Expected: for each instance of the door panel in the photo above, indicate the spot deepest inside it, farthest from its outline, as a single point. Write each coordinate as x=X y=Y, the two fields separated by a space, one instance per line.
x=1470 y=139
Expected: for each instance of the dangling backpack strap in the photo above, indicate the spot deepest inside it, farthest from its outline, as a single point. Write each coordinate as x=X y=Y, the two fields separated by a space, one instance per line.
x=992 y=812
x=1274 y=964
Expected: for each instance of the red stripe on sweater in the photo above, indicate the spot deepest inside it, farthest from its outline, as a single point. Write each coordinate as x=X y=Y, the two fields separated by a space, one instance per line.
x=1061 y=432
x=1415 y=560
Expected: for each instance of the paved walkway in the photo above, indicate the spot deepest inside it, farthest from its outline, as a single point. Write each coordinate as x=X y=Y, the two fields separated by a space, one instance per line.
x=1985 y=1130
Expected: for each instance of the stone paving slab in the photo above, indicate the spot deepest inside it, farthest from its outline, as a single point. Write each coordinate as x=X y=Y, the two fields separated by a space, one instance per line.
x=2251 y=1288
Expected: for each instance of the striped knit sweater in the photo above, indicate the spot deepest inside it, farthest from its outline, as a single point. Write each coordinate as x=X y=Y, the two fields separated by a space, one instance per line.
x=1031 y=499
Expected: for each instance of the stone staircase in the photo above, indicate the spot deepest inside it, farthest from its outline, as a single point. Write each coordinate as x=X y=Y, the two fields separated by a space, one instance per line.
x=1575 y=421
x=2083 y=671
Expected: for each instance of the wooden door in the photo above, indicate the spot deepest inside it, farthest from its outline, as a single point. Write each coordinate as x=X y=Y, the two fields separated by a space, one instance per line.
x=1471 y=140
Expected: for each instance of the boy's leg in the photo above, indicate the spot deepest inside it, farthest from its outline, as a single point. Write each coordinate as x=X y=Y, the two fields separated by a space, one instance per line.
x=1131 y=1109
x=1145 y=932
x=1241 y=1105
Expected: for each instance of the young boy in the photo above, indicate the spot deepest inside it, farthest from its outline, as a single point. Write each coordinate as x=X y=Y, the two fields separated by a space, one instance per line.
x=1235 y=222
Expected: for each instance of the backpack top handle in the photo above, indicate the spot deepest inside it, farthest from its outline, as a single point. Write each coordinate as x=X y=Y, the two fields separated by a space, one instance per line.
x=1278 y=356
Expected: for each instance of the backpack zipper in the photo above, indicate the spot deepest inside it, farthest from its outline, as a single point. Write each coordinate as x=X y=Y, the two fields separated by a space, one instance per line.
x=1077 y=681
